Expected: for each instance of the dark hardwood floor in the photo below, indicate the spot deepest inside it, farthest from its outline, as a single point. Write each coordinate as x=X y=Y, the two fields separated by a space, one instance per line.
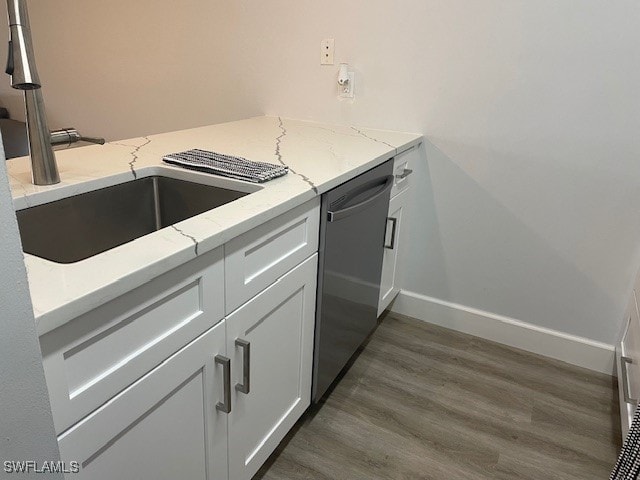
x=424 y=402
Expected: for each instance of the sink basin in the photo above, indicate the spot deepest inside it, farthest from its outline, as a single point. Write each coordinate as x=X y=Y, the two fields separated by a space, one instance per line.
x=81 y=226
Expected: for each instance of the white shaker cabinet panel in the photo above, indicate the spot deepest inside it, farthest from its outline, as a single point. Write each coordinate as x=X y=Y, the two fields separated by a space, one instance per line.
x=403 y=165
x=97 y=355
x=393 y=243
x=254 y=260
x=270 y=343
x=163 y=427
x=628 y=360
x=628 y=365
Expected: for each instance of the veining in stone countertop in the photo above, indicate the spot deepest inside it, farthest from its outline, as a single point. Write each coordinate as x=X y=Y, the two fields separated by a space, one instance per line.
x=319 y=158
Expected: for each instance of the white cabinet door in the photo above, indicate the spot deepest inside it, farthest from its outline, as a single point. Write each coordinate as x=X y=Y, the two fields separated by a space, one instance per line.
x=628 y=365
x=165 y=426
x=270 y=343
x=392 y=244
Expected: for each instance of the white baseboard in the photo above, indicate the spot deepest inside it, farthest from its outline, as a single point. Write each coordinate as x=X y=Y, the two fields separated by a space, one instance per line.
x=572 y=349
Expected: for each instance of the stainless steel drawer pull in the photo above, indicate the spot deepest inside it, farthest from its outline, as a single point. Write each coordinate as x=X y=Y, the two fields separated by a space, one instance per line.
x=624 y=361
x=225 y=405
x=245 y=386
x=394 y=222
x=405 y=173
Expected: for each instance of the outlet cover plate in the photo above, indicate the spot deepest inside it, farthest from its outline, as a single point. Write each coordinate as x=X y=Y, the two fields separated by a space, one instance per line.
x=346 y=91
x=327 y=51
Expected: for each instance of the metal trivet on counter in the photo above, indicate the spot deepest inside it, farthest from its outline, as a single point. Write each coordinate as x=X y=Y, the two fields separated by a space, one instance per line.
x=226 y=165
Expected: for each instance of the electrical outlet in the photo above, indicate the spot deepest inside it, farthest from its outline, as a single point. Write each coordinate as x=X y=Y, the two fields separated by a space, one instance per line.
x=346 y=90
x=327 y=50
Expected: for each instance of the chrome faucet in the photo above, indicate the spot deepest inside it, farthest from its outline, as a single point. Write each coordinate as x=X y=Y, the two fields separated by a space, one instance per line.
x=21 y=66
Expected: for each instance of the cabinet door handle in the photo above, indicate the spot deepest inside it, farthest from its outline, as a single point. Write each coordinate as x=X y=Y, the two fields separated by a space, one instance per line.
x=225 y=405
x=245 y=386
x=405 y=173
x=394 y=223
x=624 y=361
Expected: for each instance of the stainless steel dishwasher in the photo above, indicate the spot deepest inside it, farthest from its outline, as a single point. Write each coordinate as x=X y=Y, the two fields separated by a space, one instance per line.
x=352 y=231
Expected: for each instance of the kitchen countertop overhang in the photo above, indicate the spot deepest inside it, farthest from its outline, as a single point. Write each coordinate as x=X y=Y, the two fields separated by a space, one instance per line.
x=320 y=157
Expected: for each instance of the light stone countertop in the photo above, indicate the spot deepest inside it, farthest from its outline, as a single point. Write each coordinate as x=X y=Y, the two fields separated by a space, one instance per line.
x=320 y=157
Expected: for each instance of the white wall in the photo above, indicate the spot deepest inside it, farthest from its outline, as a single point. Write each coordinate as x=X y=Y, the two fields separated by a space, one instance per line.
x=26 y=425
x=120 y=68
x=528 y=204
x=527 y=199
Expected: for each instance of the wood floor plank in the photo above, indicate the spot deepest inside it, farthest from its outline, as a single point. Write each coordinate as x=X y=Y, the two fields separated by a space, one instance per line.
x=423 y=402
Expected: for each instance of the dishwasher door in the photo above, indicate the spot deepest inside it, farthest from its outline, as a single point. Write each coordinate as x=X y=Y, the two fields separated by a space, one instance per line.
x=352 y=231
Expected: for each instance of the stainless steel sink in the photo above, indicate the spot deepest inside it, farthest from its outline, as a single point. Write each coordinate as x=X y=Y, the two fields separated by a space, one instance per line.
x=81 y=226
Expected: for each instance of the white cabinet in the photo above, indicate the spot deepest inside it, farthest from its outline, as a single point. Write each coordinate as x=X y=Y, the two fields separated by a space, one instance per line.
x=403 y=165
x=270 y=343
x=163 y=427
x=392 y=246
x=97 y=355
x=172 y=381
x=628 y=364
x=201 y=415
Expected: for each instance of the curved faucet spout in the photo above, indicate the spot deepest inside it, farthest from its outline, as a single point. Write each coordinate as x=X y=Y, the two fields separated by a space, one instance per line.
x=21 y=63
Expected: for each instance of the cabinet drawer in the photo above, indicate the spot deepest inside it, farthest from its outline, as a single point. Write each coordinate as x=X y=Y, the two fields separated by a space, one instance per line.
x=628 y=365
x=163 y=427
x=403 y=165
x=256 y=259
x=97 y=355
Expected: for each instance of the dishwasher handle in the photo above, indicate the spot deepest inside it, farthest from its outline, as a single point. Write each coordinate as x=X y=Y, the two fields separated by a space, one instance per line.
x=334 y=216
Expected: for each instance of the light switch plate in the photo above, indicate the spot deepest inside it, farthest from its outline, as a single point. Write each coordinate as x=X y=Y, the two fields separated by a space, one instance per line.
x=327 y=50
